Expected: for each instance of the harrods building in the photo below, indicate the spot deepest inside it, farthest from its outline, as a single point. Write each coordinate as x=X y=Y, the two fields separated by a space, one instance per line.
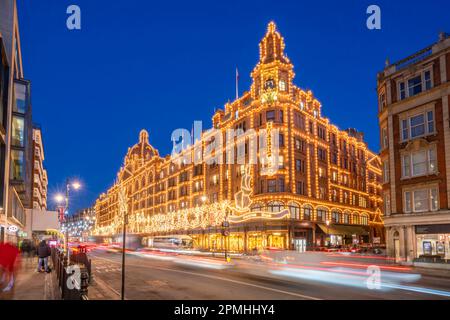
x=325 y=189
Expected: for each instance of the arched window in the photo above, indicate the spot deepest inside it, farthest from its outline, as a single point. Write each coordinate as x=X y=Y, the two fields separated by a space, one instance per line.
x=257 y=207
x=307 y=212
x=346 y=218
x=322 y=214
x=364 y=220
x=294 y=208
x=355 y=218
x=275 y=206
x=336 y=216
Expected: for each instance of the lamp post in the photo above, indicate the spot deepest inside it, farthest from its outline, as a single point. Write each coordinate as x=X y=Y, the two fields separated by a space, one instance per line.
x=59 y=198
x=328 y=231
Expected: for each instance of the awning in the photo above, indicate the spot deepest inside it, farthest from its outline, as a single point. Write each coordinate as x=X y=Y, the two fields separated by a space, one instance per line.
x=335 y=229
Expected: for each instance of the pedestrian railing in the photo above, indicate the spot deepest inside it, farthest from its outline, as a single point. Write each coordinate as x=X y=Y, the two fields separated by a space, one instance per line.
x=72 y=279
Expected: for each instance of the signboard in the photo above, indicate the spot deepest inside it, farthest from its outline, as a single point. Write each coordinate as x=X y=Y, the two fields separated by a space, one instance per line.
x=376 y=240
x=433 y=229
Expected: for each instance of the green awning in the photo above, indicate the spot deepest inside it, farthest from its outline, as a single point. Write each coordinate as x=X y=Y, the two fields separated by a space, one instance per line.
x=336 y=229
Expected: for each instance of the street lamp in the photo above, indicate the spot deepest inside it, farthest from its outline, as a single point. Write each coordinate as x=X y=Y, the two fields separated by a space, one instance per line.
x=328 y=231
x=59 y=198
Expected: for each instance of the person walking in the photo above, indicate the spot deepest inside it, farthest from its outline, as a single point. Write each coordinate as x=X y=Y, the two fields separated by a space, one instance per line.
x=8 y=263
x=43 y=252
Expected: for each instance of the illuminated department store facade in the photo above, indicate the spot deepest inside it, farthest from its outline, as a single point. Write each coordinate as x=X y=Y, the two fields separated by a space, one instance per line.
x=325 y=189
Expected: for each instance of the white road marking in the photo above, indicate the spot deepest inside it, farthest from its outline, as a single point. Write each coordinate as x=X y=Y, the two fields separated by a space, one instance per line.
x=223 y=279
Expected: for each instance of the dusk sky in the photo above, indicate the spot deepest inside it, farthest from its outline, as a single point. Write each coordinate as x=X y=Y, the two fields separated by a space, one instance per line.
x=161 y=65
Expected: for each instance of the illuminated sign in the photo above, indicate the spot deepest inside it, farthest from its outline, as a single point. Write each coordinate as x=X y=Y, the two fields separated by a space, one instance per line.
x=13 y=228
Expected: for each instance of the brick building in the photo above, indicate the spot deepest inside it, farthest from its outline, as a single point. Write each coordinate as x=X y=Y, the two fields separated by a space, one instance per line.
x=415 y=153
x=326 y=188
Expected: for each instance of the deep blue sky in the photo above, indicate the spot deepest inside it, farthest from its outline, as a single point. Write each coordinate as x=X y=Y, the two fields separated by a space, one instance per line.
x=160 y=65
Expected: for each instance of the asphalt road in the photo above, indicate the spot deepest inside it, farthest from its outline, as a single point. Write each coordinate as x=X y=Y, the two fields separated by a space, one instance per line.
x=148 y=278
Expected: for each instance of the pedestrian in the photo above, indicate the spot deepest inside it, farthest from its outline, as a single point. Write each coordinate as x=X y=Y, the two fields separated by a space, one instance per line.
x=43 y=252
x=25 y=248
x=8 y=259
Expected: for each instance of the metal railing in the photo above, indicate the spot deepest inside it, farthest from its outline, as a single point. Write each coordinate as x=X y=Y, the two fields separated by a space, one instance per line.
x=72 y=286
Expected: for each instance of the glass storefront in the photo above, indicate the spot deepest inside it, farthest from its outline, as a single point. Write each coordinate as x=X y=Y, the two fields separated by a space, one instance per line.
x=433 y=245
x=236 y=241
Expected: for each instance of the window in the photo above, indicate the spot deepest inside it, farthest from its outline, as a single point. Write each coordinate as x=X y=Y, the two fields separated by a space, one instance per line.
x=417 y=125
x=271 y=185
x=322 y=193
x=334 y=176
x=294 y=208
x=281 y=184
x=334 y=157
x=430 y=121
x=427 y=76
x=321 y=215
x=300 y=187
x=269 y=84
x=346 y=218
x=402 y=90
x=299 y=166
x=281 y=116
x=280 y=162
x=21 y=97
x=270 y=115
x=419 y=163
x=421 y=200
x=281 y=140
x=387 y=204
x=17 y=165
x=322 y=172
x=282 y=85
x=299 y=145
x=322 y=132
x=414 y=86
x=336 y=217
x=307 y=213
x=385 y=171
x=382 y=101
x=384 y=138
x=322 y=154
x=299 y=121
x=364 y=220
x=18 y=131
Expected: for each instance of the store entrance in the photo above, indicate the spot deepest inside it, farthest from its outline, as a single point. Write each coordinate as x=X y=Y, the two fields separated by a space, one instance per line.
x=300 y=244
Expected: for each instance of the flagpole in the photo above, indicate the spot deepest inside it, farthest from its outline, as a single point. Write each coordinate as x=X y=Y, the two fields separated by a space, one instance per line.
x=237 y=83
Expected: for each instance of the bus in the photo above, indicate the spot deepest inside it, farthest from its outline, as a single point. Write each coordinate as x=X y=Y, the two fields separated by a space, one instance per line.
x=170 y=242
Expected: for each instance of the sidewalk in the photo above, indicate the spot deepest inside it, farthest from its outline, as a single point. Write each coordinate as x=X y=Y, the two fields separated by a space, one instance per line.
x=31 y=285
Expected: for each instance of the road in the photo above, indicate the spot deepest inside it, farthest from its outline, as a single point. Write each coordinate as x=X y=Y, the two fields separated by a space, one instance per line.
x=160 y=278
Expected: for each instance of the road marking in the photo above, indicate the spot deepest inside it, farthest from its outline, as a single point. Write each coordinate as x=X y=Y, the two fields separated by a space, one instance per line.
x=223 y=279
